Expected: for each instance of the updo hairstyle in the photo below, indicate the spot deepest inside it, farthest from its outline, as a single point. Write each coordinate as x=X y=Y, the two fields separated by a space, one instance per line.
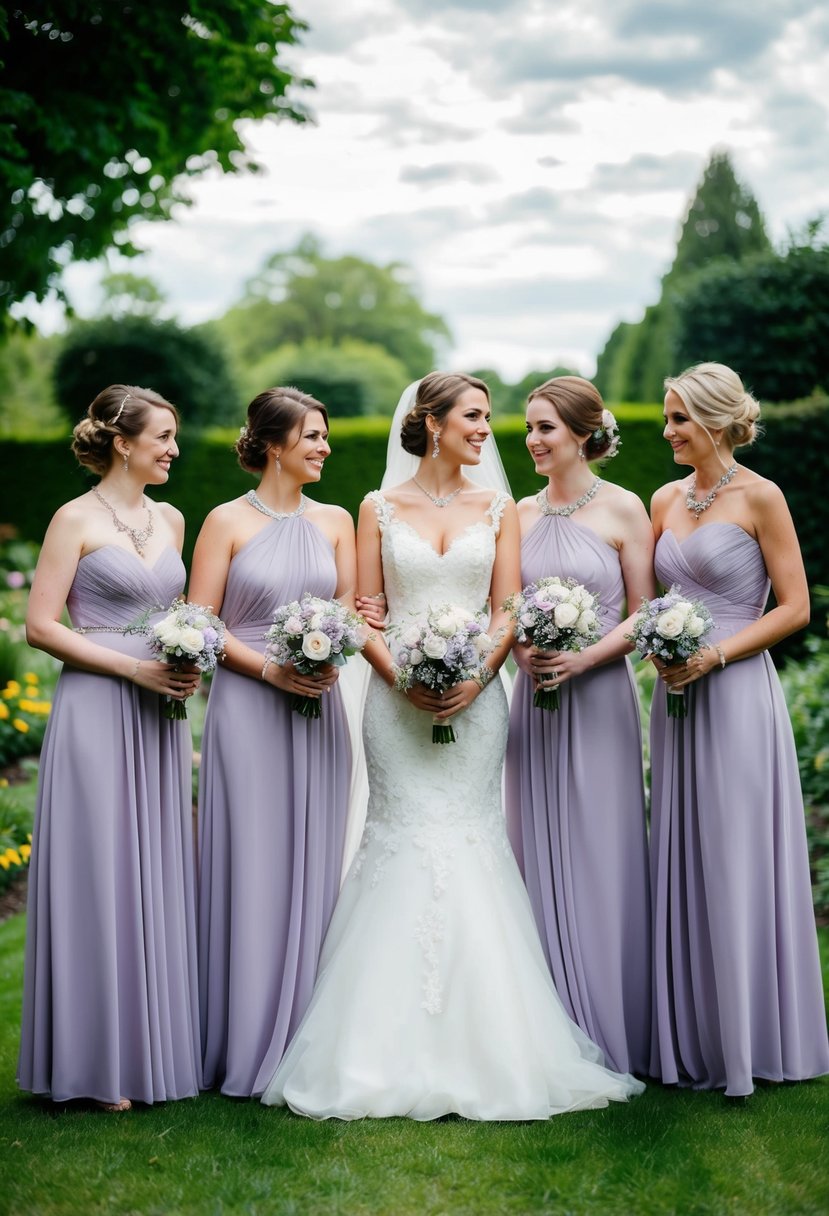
x=580 y=407
x=717 y=400
x=270 y=419
x=121 y=409
x=436 y=394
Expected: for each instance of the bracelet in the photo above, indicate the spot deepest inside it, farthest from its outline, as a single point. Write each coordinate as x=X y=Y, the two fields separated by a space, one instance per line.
x=268 y=660
x=483 y=675
x=720 y=655
x=135 y=669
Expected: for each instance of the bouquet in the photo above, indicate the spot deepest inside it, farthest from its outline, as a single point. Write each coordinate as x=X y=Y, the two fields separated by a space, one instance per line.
x=672 y=628
x=310 y=632
x=188 y=634
x=441 y=649
x=554 y=614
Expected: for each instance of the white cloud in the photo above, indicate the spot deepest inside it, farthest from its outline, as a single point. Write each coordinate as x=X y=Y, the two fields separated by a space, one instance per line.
x=531 y=162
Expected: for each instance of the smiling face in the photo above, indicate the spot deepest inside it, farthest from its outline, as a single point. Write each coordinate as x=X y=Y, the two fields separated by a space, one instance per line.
x=687 y=438
x=153 y=450
x=465 y=428
x=306 y=448
x=552 y=445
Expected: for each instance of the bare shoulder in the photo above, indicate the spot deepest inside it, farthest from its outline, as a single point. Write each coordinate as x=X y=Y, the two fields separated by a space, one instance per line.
x=172 y=514
x=74 y=513
x=624 y=502
x=330 y=512
x=667 y=494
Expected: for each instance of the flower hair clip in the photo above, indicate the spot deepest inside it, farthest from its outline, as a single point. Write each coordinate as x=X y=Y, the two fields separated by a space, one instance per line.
x=243 y=432
x=610 y=430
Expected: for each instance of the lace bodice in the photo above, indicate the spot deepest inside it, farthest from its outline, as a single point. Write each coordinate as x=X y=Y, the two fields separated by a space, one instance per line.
x=416 y=575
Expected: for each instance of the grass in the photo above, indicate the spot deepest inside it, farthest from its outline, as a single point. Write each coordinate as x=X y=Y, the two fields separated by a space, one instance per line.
x=697 y=1154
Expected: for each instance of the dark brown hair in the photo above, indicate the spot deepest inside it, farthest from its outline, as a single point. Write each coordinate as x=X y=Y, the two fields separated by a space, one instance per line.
x=580 y=407
x=271 y=417
x=436 y=395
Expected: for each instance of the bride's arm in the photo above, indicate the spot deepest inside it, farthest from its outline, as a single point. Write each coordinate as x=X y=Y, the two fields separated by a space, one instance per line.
x=370 y=585
x=506 y=581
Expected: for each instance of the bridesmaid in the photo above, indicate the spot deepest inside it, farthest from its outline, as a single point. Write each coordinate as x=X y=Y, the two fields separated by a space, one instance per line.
x=273 y=785
x=109 y=1003
x=575 y=795
x=737 y=979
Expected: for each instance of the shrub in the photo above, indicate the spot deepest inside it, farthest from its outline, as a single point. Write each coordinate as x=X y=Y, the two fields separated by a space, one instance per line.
x=23 y=715
x=15 y=837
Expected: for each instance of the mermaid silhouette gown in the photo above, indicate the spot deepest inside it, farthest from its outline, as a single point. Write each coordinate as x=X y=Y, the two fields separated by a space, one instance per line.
x=576 y=815
x=110 y=990
x=737 y=979
x=273 y=794
x=433 y=994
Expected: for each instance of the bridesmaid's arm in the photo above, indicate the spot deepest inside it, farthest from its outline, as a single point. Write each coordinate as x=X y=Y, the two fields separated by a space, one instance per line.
x=345 y=556
x=212 y=556
x=62 y=549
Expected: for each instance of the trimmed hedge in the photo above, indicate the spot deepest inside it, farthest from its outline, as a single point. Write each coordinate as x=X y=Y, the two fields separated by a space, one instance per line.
x=791 y=453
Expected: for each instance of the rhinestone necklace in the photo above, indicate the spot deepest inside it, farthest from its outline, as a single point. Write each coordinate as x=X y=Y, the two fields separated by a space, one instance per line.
x=544 y=502
x=255 y=501
x=439 y=502
x=138 y=537
x=704 y=503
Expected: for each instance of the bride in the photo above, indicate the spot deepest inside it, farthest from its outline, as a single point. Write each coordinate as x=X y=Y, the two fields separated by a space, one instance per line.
x=433 y=995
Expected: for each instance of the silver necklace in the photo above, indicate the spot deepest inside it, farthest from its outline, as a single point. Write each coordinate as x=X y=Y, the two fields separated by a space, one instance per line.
x=704 y=503
x=439 y=502
x=255 y=501
x=139 y=537
x=544 y=502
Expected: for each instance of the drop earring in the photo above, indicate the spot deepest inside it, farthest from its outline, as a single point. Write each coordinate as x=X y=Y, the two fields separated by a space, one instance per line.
x=581 y=451
x=126 y=462
x=278 y=464
x=435 y=445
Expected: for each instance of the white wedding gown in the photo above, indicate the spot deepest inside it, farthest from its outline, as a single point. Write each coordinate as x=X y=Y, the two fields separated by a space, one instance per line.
x=433 y=995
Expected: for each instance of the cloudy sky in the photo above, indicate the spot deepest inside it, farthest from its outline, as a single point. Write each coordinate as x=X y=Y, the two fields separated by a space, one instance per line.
x=529 y=159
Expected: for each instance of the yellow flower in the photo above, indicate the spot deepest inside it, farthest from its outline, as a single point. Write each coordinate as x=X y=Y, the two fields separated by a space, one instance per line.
x=25 y=705
x=4 y=711
x=14 y=857
x=20 y=725
x=11 y=690
x=4 y=861
x=25 y=851
x=32 y=690
x=31 y=677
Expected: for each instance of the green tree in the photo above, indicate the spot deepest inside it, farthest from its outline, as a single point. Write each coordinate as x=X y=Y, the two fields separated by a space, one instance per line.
x=722 y=224
x=767 y=317
x=27 y=405
x=105 y=103
x=178 y=363
x=301 y=294
x=131 y=295
x=350 y=378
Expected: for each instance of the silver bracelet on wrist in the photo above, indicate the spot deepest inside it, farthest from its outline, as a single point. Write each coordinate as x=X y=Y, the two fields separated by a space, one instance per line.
x=483 y=675
x=720 y=656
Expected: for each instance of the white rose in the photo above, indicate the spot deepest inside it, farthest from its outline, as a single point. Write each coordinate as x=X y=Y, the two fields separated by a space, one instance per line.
x=435 y=646
x=191 y=640
x=315 y=623
x=410 y=636
x=684 y=607
x=695 y=625
x=293 y=626
x=200 y=622
x=483 y=643
x=555 y=591
x=415 y=656
x=586 y=621
x=316 y=645
x=565 y=615
x=670 y=623
x=167 y=633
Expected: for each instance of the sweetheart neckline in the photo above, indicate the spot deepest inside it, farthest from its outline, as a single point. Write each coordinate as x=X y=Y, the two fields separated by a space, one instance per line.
x=403 y=523
x=122 y=549
x=715 y=523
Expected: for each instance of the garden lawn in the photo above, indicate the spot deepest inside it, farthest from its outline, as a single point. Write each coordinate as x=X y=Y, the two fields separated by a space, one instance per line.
x=667 y=1151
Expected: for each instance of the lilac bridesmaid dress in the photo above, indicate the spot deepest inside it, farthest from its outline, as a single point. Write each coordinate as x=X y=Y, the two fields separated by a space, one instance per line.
x=737 y=979
x=576 y=815
x=273 y=795
x=110 y=990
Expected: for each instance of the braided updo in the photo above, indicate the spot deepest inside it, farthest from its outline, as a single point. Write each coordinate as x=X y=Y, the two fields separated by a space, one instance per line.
x=270 y=419
x=580 y=407
x=121 y=409
x=436 y=395
x=717 y=400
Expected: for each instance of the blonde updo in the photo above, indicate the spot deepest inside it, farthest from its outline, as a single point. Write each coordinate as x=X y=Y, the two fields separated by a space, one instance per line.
x=121 y=409
x=580 y=407
x=717 y=400
x=436 y=394
x=270 y=419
